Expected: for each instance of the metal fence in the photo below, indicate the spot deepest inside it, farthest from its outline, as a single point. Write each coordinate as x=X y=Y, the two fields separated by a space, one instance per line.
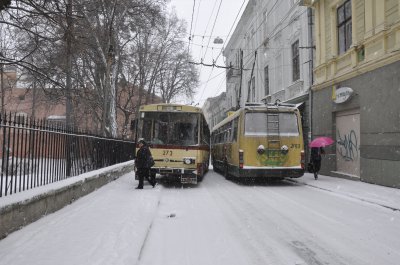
x=37 y=152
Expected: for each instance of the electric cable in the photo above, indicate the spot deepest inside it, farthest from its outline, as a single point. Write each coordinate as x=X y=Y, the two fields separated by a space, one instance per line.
x=212 y=30
x=205 y=31
x=233 y=24
x=191 y=24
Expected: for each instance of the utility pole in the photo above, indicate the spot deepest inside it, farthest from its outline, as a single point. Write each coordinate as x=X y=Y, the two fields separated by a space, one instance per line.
x=251 y=76
x=69 y=110
x=241 y=78
x=2 y=83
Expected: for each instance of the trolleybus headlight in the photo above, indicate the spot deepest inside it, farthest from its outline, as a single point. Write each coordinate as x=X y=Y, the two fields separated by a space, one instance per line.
x=188 y=161
x=261 y=149
x=284 y=149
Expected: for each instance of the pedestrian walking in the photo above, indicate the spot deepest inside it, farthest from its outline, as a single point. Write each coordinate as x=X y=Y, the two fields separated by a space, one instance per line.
x=143 y=163
x=315 y=159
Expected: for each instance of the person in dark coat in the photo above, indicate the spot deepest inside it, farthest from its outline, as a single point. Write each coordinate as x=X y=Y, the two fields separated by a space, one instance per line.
x=316 y=158
x=142 y=164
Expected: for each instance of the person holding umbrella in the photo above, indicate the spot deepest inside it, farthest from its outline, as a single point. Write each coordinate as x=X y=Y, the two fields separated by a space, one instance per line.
x=316 y=159
x=317 y=149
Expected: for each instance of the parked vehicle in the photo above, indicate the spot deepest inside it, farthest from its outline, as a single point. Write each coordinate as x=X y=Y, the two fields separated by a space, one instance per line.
x=179 y=140
x=259 y=141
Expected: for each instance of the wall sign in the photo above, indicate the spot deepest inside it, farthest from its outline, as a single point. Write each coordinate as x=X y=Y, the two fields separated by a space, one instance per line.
x=343 y=94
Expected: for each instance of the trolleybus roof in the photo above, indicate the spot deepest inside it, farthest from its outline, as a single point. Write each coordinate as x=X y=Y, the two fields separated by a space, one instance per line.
x=257 y=107
x=170 y=108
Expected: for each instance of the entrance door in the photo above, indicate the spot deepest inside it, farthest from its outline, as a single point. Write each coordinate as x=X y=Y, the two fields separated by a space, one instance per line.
x=348 y=142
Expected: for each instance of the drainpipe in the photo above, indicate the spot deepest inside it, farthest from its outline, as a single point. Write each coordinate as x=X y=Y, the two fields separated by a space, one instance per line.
x=311 y=73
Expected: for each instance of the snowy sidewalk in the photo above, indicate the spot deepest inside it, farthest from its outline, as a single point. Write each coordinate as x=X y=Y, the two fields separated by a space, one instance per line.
x=370 y=193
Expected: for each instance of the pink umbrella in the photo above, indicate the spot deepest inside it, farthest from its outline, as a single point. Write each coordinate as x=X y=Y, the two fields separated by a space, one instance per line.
x=321 y=142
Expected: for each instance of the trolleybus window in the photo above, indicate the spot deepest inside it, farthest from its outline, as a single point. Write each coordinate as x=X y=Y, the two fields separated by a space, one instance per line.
x=263 y=124
x=170 y=128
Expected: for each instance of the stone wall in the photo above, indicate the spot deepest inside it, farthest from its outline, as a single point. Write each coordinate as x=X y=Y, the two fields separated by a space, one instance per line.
x=17 y=215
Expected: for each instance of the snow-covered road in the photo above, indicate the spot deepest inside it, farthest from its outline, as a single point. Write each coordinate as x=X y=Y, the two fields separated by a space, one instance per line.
x=215 y=222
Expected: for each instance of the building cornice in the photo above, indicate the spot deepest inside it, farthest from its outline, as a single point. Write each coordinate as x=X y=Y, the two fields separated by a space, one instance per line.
x=364 y=68
x=240 y=27
x=308 y=3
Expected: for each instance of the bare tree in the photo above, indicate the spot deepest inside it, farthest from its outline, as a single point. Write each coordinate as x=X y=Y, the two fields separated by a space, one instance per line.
x=176 y=77
x=106 y=54
x=110 y=27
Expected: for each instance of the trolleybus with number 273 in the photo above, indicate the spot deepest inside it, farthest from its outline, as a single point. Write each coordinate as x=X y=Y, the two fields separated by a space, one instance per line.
x=178 y=136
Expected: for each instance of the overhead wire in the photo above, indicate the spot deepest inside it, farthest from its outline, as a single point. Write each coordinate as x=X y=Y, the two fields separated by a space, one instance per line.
x=212 y=30
x=279 y=30
x=275 y=32
x=205 y=31
x=219 y=86
x=197 y=16
x=233 y=24
x=191 y=24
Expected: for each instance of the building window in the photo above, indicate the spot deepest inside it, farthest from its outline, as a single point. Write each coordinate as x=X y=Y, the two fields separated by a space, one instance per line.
x=266 y=80
x=278 y=73
x=295 y=61
x=344 y=26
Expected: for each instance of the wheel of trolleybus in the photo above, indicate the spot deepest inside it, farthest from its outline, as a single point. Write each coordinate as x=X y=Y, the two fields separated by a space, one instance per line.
x=200 y=178
x=226 y=171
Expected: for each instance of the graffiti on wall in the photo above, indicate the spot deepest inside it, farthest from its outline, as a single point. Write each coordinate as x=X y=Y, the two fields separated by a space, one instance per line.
x=348 y=145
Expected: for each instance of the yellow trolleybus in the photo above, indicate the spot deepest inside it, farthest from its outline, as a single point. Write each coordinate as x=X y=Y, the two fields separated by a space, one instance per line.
x=259 y=141
x=179 y=140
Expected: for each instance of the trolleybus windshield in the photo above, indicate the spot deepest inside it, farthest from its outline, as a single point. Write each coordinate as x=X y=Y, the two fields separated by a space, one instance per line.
x=170 y=128
x=278 y=123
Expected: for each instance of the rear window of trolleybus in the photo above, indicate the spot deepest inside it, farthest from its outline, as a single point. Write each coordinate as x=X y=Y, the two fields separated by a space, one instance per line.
x=170 y=128
x=264 y=124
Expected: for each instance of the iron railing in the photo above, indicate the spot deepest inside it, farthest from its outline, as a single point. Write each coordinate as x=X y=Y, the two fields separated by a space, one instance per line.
x=37 y=152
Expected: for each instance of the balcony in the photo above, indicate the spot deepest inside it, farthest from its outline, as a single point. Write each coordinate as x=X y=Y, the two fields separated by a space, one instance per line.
x=295 y=90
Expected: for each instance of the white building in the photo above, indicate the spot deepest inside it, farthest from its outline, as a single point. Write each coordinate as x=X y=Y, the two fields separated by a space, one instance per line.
x=214 y=109
x=274 y=37
x=274 y=40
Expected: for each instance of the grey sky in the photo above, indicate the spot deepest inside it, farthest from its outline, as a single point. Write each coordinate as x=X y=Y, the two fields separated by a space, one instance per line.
x=212 y=80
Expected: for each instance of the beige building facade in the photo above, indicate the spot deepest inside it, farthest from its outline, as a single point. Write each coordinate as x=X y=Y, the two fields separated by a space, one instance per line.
x=357 y=87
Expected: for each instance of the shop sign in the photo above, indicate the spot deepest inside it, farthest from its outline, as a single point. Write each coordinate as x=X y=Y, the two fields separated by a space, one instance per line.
x=343 y=94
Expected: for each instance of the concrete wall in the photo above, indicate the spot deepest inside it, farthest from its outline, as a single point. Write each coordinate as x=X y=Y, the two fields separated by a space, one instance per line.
x=377 y=95
x=20 y=214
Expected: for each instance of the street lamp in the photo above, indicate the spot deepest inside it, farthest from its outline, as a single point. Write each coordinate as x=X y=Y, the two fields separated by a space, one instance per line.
x=218 y=40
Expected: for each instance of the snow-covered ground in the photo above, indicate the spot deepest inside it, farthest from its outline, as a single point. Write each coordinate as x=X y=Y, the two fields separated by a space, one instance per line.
x=328 y=221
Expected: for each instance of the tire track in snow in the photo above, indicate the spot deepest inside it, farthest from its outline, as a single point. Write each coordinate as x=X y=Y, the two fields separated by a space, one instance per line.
x=264 y=218
x=148 y=230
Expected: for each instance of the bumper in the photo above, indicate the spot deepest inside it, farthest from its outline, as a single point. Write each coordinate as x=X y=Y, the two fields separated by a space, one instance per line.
x=173 y=171
x=184 y=175
x=271 y=173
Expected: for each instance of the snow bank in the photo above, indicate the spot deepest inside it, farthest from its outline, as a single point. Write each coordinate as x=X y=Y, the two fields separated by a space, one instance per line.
x=23 y=208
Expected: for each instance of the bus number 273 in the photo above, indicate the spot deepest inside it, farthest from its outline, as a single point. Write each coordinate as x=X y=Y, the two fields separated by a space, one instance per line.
x=167 y=152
